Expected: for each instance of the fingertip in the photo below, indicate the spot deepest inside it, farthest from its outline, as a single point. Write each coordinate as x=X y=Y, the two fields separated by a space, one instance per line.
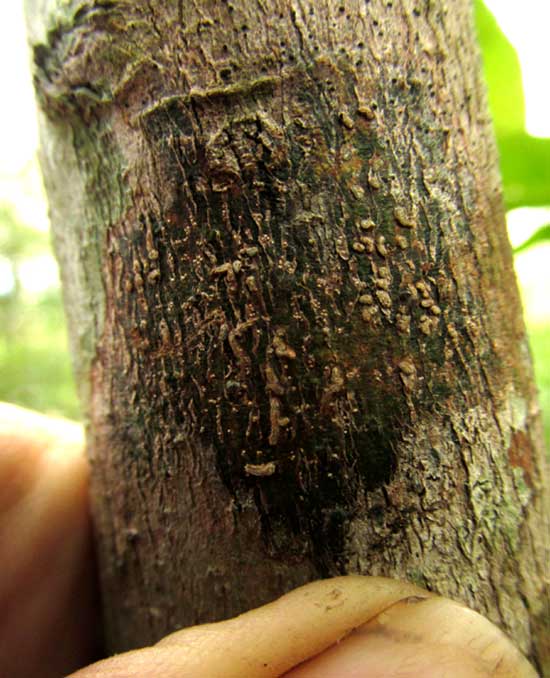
x=421 y=636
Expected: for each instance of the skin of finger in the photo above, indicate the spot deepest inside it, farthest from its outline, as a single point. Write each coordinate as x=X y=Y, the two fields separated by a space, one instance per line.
x=432 y=638
x=374 y=656
x=47 y=592
x=454 y=625
x=26 y=438
x=266 y=642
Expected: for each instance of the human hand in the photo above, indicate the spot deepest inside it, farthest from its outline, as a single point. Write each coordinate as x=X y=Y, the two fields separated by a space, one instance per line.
x=348 y=627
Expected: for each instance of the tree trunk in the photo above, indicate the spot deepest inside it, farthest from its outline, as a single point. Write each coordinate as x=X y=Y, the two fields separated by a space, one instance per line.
x=292 y=304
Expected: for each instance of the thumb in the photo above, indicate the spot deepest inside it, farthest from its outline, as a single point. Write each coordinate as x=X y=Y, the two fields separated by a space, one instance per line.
x=358 y=627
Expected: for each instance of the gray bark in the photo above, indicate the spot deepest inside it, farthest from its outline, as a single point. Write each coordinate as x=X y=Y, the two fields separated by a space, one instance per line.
x=292 y=305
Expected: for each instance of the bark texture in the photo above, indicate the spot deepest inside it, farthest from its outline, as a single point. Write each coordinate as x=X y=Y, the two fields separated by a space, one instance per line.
x=292 y=305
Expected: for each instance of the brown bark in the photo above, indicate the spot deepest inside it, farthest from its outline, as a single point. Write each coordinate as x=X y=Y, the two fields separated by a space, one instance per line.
x=292 y=304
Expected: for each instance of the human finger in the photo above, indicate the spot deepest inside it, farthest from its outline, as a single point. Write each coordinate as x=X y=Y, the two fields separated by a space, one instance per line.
x=47 y=625
x=358 y=627
x=265 y=642
x=432 y=637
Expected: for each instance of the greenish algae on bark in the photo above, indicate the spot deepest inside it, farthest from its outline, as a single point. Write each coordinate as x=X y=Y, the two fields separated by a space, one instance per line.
x=293 y=306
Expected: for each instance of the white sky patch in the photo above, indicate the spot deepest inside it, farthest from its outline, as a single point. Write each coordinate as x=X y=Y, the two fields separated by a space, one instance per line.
x=7 y=281
x=526 y=24
x=531 y=265
x=534 y=293
x=38 y=273
x=18 y=128
x=524 y=221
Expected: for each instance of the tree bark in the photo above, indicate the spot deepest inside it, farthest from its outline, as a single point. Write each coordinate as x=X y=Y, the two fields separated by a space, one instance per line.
x=292 y=305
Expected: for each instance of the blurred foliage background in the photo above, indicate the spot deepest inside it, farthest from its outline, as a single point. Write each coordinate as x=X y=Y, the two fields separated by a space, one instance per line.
x=35 y=368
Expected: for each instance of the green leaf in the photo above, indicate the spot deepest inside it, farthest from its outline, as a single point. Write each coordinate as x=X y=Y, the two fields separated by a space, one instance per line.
x=525 y=169
x=524 y=160
x=539 y=236
x=502 y=72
